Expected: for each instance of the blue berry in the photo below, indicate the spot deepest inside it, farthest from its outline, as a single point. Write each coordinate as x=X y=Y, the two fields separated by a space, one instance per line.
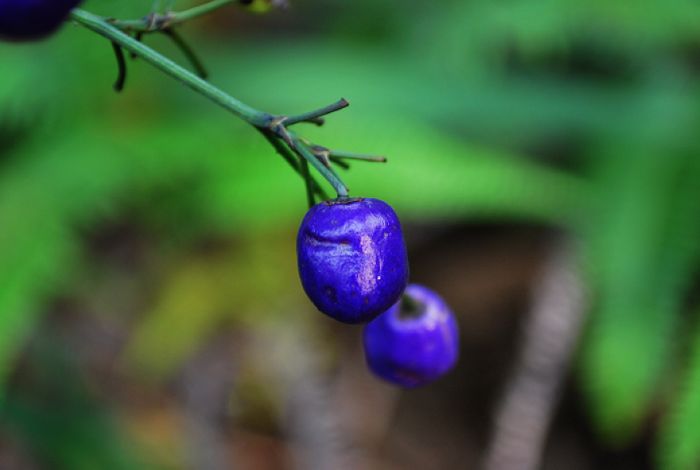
x=22 y=20
x=414 y=342
x=352 y=258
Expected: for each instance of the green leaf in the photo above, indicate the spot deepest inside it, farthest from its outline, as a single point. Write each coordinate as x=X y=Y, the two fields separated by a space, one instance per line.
x=642 y=246
x=678 y=445
x=679 y=437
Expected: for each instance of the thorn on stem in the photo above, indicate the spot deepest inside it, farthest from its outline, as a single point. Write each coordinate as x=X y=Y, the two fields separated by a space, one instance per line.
x=121 y=67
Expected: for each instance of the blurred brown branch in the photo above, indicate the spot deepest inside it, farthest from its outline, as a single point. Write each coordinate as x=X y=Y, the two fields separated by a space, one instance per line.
x=532 y=394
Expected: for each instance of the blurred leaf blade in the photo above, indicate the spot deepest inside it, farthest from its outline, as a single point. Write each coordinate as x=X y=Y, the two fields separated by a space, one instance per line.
x=642 y=254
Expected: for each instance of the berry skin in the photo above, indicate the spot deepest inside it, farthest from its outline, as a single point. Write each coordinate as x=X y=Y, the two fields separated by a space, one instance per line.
x=26 y=20
x=414 y=342
x=352 y=258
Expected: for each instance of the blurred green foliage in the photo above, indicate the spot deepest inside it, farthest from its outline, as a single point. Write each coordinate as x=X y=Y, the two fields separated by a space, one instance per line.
x=580 y=115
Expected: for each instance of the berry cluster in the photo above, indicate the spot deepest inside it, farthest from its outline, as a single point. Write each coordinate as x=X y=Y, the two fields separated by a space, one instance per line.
x=351 y=252
x=354 y=268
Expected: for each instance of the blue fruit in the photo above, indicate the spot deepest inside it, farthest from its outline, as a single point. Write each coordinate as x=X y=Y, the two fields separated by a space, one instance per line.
x=415 y=341
x=352 y=258
x=25 y=20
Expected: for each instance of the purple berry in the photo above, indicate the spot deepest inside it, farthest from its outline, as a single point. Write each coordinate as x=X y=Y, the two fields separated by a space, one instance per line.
x=22 y=20
x=415 y=341
x=352 y=258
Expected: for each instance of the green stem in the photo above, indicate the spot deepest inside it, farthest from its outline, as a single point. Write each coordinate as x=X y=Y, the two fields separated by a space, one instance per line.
x=156 y=22
x=259 y=119
x=290 y=158
x=307 y=179
x=114 y=34
x=200 y=10
x=327 y=172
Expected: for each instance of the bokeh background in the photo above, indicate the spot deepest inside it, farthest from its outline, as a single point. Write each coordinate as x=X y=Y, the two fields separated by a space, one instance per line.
x=150 y=311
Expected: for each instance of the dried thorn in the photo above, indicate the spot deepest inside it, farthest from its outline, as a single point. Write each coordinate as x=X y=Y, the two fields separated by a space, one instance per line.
x=121 y=67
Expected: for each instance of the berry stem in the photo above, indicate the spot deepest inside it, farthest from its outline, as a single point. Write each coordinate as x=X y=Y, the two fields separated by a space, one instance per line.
x=327 y=172
x=307 y=179
x=289 y=157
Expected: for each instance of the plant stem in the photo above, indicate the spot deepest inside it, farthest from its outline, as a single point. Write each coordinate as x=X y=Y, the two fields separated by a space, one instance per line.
x=200 y=10
x=307 y=180
x=156 y=22
x=289 y=157
x=259 y=119
x=327 y=172
x=102 y=27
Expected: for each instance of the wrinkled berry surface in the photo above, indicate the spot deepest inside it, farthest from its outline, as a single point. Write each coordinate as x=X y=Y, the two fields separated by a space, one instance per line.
x=352 y=258
x=22 y=20
x=413 y=347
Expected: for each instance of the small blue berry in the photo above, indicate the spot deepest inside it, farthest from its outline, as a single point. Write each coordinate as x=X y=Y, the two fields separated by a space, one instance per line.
x=414 y=342
x=352 y=258
x=24 y=20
